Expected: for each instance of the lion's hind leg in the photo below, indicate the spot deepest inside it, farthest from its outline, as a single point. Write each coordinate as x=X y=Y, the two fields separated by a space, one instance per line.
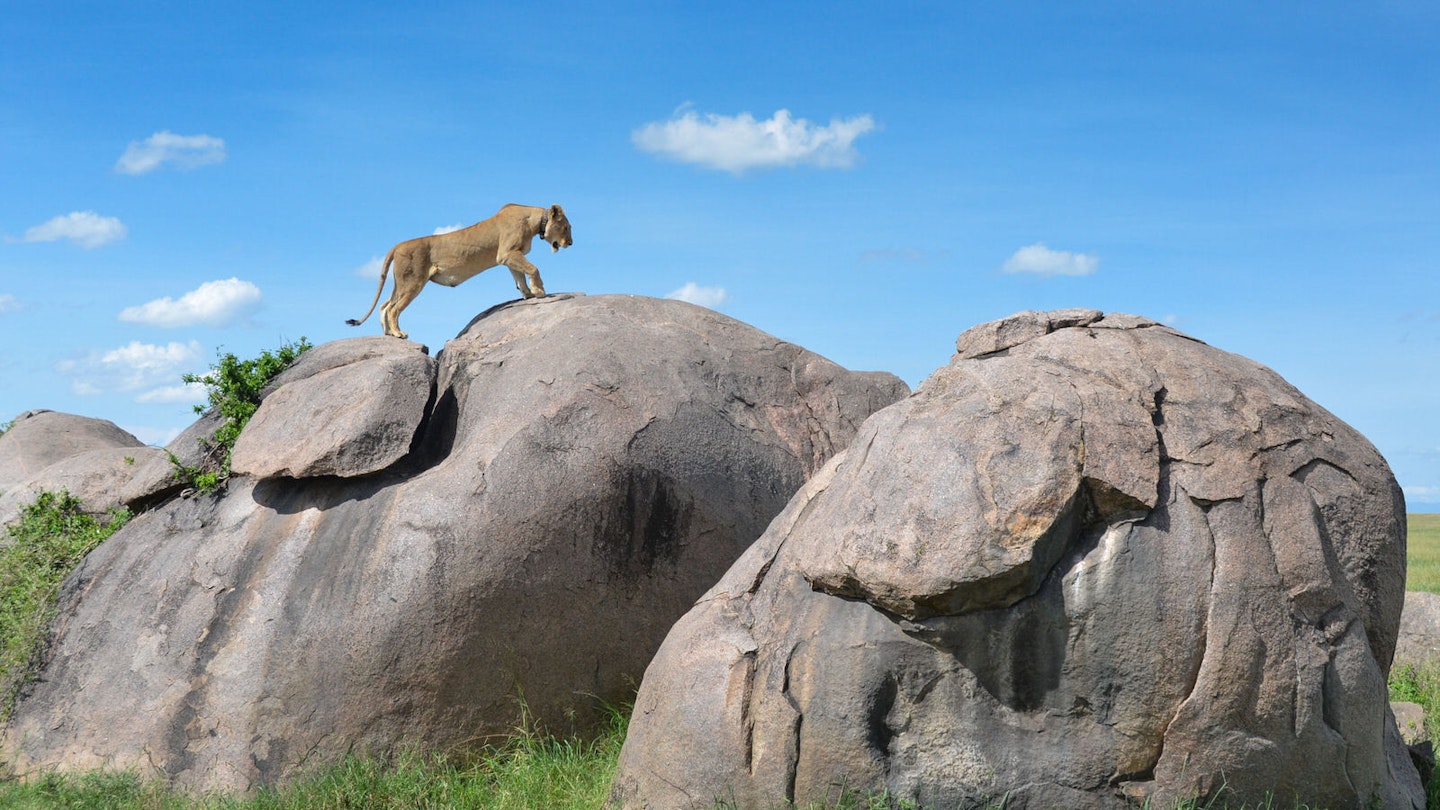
x=406 y=289
x=391 y=324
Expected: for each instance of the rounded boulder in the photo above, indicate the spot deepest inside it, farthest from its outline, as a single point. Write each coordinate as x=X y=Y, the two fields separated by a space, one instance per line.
x=1090 y=563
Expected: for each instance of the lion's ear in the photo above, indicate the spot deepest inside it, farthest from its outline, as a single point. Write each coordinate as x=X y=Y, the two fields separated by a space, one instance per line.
x=557 y=211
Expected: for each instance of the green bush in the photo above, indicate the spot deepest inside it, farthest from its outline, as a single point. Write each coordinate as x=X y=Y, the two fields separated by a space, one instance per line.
x=52 y=536
x=233 y=387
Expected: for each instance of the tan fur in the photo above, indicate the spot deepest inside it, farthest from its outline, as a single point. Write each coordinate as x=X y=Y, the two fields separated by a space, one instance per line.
x=450 y=258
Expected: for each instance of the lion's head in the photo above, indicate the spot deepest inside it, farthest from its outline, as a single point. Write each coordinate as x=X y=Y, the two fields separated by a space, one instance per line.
x=557 y=230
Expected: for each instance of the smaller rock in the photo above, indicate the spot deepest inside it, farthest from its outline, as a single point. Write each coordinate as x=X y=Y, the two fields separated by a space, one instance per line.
x=1419 y=641
x=1410 y=719
x=102 y=480
x=357 y=403
x=92 y=459
x=997 y=336
x=40 y=438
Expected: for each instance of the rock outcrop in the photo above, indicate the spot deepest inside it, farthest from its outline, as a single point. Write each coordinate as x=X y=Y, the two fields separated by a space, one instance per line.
x=417 y=547
x=1090 y=562
x=1419 y=642
x=358 y=404
x=92 y=459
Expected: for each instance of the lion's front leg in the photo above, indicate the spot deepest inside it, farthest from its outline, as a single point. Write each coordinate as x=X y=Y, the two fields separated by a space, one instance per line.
x=527 y=276
x=520 y=283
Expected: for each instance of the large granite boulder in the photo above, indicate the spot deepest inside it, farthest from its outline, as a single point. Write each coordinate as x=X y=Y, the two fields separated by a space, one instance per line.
x=586 y=468
x=99 y=463
x=1090 y=562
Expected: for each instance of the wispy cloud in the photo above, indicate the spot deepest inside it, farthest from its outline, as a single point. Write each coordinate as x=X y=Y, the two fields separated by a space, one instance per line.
x=370 y=269
x=162 y=148
x=133 y=367
x=8 y=303
x=449 y=228
x=1422 y=494
x=214 y=303
x=738 y=143
x=712 y=297
x=1042 y=261
x=156 y=436
x=85 y=228
x=189 y=392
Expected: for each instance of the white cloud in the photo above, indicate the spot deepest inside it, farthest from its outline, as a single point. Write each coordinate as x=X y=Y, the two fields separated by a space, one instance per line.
x=133 y=367
x=1419 y=494
x=85 y=228
x=693 y=293
x=214 y=303
x=181 y=151
x=8 y=303
x=735 y=144
x=154 y=436
x=449 y=228
x=370 y=269
x=189 y=392
x=1042 y=261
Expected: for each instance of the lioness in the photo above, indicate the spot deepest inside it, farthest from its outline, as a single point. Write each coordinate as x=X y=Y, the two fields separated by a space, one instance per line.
x=450 y=258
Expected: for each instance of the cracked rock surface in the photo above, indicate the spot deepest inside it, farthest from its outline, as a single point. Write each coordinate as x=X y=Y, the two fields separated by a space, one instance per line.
x=1092 y=561
x=401 y=568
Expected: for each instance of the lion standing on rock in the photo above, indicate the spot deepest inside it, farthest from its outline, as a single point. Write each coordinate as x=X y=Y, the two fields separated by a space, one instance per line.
x=450 y=258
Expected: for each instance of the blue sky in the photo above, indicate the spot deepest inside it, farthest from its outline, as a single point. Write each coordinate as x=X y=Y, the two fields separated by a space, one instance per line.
x=864 y=179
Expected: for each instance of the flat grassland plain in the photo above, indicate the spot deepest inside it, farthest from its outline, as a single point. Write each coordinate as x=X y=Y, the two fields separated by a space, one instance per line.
x=1423 y=553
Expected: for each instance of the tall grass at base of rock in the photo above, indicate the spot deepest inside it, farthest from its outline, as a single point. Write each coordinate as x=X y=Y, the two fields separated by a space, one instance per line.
x=1422 y=685
x=1423 y=553
x=530 y=770
x=52 y=536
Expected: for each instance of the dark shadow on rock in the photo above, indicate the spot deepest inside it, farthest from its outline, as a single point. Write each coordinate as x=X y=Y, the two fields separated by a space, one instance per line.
x=289 y=496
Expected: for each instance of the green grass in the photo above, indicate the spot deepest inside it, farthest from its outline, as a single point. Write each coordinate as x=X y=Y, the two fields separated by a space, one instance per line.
x=1422 y=685
x=1423 y=553
x=52 y=536
x=528 y=772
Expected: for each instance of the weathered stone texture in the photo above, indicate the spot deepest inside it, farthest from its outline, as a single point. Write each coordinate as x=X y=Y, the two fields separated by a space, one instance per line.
x=1092 y=561
x=587 y=468
x=348 y=408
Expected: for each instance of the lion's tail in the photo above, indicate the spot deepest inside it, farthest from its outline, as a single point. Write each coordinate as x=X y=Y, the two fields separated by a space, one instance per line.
x=384 y=272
